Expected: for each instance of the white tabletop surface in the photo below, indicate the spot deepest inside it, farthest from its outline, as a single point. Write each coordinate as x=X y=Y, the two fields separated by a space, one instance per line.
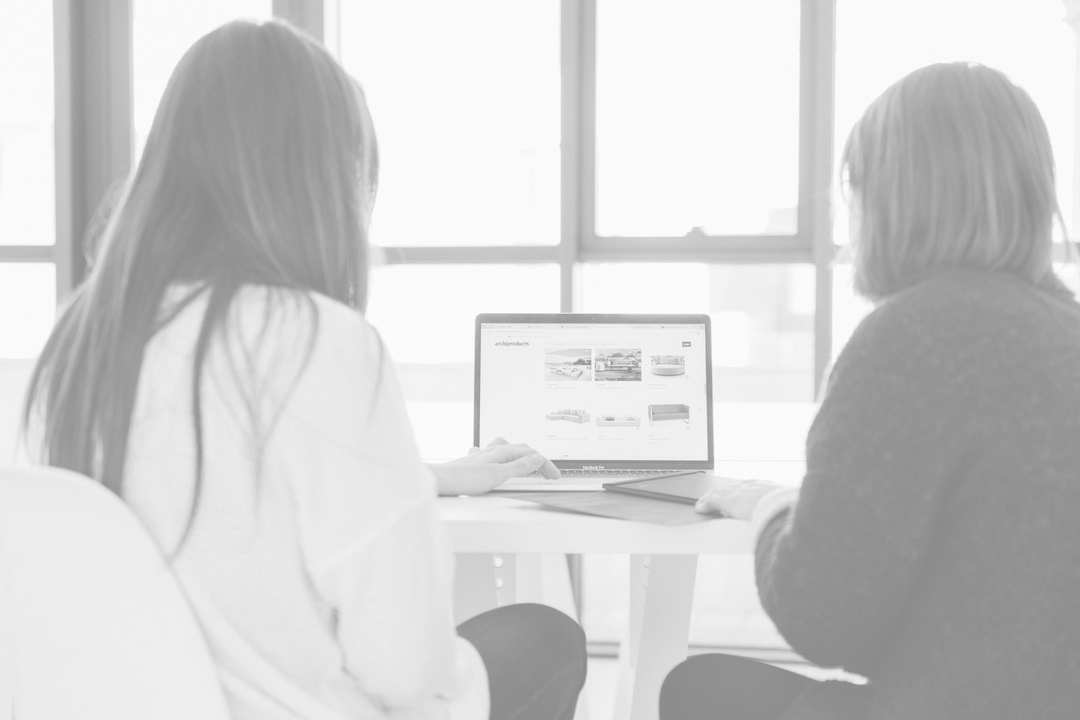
x=492 y=523
x=501 y=524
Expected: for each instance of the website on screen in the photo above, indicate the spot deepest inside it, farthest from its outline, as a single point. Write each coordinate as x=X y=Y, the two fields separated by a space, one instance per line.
x=582 y=391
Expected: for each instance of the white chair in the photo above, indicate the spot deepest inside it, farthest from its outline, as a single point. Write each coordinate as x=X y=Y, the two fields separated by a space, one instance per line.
x=92 y=624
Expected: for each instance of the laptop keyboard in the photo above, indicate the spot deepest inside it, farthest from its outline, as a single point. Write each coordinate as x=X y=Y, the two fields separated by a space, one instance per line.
x=584 y=479
x=614 y=474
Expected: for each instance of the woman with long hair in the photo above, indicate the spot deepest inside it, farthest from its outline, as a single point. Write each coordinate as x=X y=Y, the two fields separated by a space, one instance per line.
x=216 y=372
x=932 y=547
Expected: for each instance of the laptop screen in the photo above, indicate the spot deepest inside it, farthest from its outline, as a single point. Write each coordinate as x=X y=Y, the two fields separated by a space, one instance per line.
x=611 y=391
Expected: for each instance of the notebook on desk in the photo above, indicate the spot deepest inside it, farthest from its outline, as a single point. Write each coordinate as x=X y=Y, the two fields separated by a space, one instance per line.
x=604 y=397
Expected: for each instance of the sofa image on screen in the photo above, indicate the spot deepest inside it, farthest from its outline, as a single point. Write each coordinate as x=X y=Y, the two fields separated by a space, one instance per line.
x=618 y=421
x=663 y=413
x=573 y=371
x=668 y=365
x=577 y=416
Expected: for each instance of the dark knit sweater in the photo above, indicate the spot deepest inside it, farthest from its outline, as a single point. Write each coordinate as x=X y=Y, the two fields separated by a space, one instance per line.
x=935 y=545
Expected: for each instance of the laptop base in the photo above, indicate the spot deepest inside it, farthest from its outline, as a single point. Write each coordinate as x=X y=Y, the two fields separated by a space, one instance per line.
x=584 y=483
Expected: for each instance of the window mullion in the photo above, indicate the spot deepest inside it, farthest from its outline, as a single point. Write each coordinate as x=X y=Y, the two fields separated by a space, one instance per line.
x=577 y=50
x=27 y=253
x=761 y=249
x=93 y=119
x=437 y=254
x=816 y=110
x=305 y=14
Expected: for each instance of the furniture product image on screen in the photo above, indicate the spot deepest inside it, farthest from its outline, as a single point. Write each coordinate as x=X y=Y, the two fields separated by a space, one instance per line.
x=573 y=371
x=618 y=421
x=661 y=413
x=668 y=365
x=577 y=416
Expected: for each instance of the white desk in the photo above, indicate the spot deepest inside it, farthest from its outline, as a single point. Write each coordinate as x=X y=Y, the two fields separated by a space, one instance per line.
x=513 y=552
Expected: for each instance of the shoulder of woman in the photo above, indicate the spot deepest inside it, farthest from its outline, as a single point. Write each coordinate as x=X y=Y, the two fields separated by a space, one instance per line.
x=957 y=328
x=304 y=318
x=952 y=308
x=297 y=344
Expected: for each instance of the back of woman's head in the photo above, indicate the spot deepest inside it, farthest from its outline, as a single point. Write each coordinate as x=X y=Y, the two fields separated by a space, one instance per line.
x=260 y=168
x=950 y=167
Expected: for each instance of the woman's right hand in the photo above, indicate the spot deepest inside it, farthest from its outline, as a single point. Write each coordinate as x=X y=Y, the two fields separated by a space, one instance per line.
x=486 y=468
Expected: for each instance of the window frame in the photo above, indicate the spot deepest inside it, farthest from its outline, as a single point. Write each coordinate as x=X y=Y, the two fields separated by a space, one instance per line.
x=93 y=90
x=94 y=136
x=811 y=244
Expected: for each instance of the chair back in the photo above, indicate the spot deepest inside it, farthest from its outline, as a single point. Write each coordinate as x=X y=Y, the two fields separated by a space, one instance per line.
x=92 y=623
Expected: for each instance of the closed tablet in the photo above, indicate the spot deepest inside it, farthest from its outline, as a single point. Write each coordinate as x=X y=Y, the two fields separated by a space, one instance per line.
x=684 y=488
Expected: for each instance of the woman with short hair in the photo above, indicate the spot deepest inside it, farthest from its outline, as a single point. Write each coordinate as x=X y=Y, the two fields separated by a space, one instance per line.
x=933 y=545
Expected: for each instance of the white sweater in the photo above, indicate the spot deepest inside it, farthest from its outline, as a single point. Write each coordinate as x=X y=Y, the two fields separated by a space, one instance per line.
x=317 y=563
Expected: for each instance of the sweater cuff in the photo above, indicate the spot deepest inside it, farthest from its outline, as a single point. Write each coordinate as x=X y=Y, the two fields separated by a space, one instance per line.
x=769 y=507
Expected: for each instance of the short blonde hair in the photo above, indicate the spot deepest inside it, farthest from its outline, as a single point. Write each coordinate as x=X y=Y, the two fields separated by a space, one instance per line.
x=950 y=167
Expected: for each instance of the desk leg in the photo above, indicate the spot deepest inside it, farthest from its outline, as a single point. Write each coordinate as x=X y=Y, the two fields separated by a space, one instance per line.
x=475 y=588
x=545 y=579
x=485 y=581
x=661 y=598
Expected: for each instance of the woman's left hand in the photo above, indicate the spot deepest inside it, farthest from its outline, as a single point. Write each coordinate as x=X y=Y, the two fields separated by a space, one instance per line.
x=484 y=469
x=737 y=500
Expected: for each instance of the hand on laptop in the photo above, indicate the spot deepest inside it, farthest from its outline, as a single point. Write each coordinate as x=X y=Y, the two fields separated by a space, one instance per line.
x=737 y=500
x=484 y=469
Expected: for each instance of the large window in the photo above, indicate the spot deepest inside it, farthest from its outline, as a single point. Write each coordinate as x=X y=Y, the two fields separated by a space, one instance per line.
x=465 y=97
x=687 y=140
x=601 y=140
x=577 y=136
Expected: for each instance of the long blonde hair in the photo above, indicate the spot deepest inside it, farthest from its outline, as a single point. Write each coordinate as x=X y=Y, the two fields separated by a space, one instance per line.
x=260 y=168
x=951 y=167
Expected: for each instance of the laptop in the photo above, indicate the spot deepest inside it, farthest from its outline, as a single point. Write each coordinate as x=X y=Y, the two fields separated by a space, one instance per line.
x=604 y=397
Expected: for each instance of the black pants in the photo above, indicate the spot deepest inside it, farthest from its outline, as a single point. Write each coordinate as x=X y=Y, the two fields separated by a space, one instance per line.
x=725 y=687
x=535 y=659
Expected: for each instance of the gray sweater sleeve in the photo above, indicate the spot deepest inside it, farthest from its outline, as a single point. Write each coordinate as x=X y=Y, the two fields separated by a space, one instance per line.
x=836 y=572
